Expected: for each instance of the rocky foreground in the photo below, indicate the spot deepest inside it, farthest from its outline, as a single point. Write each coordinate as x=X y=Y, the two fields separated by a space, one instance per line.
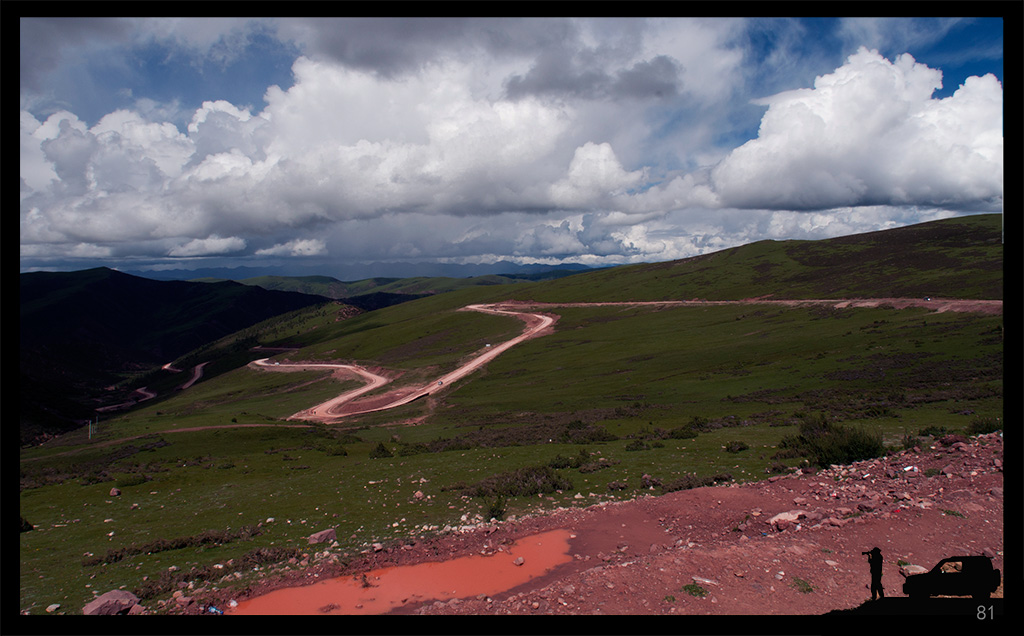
x=788 y=546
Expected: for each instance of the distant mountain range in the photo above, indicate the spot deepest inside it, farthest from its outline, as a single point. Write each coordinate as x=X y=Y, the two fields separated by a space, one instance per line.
x=358 y=272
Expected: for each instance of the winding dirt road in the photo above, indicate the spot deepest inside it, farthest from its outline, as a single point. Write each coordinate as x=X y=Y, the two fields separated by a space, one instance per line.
x=538 y=324
x=345 y=404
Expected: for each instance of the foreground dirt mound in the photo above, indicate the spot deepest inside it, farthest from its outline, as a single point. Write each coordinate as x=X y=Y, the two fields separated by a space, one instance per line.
x=789 y=545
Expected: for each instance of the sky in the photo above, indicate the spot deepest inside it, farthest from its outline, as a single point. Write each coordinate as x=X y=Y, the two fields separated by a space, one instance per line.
x=154 y=144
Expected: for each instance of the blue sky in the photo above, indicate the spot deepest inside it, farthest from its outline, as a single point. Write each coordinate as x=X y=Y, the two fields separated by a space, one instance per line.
x=319 y=143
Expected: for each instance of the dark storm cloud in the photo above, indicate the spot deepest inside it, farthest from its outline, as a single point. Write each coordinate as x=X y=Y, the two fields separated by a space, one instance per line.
x=44 y=42
x=392 y=46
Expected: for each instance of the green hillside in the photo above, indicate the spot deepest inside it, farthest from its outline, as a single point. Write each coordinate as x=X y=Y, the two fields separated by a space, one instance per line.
x=393 y=289
x=952 y=258
x=688 y=395
x=83 y=331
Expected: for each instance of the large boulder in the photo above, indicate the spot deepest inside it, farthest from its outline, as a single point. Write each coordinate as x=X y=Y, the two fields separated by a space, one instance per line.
x=113 y=602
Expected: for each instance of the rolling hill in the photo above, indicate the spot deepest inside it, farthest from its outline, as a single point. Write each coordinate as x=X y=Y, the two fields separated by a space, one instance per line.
x=961 y=257
x=82 y=331
x=375 y=293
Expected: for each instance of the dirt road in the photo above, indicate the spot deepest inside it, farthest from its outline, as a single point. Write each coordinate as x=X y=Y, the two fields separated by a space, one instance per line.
x=345 y=404
x=326 y=411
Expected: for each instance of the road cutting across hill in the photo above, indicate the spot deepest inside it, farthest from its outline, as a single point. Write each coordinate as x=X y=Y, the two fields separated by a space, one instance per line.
x=346 y=404
x=537 y=324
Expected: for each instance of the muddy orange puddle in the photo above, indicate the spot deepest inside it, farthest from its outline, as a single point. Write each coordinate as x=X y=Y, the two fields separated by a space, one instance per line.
x=393 y=587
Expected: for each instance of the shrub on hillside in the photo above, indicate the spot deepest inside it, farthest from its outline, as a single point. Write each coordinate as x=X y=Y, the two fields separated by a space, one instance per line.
x=736 y=446
x=682 y=432
x=932 y=431
x=637 y=445
x=985 y=425
x=521 y=482
x=380 y=451
x=131 y=480
x=496 y=508
x=827 y=443
x=579 y=433
x=686 y=482
x=577 y=460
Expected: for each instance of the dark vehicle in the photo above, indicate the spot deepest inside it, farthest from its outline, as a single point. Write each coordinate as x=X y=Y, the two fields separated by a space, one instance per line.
x=956 y=576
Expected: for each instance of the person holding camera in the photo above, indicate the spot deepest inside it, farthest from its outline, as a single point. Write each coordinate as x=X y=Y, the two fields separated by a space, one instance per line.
x=875 y=562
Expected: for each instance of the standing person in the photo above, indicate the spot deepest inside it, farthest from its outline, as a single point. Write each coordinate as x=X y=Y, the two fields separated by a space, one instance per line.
x=875 y=561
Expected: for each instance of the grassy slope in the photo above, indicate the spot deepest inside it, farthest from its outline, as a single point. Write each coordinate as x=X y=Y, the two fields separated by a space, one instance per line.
x=628 y=370
x=952 y=258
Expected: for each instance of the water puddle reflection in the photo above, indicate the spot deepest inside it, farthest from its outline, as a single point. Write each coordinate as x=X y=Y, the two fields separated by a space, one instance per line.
x=380 y=591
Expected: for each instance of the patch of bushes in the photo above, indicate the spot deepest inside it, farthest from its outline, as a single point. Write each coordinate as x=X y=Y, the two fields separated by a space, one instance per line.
x=909 y=441
x=788 y=453
x=736 y=447
x=827 y=443
x=207 y=537
x=932 y=431
x=637 y=445
x=131 y=480
x=380 y=451
x=801 y=585
x=682 y=432
x=686 y=482
x=521 y=482
x=579 y=433
x=695 y=590
x=496 y=508
x=96 y=477
x=561 y=461
x=168 y=581
x=984 y=426
x=594 y=466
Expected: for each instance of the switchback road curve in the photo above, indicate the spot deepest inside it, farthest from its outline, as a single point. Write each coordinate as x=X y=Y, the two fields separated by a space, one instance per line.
x=536 y=324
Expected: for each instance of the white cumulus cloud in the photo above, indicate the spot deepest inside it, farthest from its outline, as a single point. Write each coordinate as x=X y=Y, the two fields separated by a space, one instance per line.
x=870 y=133
x=209 y=246
x=298 y=247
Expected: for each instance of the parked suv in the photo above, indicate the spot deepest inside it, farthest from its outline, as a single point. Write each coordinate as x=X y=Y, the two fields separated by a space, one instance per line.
x=955 y=576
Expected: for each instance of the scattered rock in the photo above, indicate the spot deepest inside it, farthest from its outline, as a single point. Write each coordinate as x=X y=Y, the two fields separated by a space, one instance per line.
x=115 y=492
x=113 y=602
x=322 y=536
x=908 y=570
x=52 y=608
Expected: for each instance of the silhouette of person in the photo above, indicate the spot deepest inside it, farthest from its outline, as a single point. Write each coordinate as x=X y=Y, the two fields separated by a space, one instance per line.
x=875 y=562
